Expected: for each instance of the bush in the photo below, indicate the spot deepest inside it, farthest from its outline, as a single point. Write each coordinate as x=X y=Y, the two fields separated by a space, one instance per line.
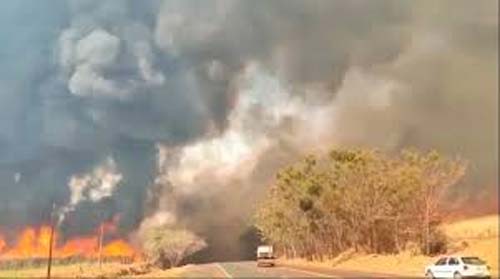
x=167 y=247
x=438 y=243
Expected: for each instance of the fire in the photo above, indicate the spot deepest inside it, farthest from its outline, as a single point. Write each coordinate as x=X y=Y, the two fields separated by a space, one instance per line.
x=118 y=248
x=31 y=243
x=2 y=243
x=84 y=246
x=35 y=243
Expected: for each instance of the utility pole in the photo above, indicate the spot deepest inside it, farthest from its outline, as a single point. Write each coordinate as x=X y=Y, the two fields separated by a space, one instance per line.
x=51 y=240
x=101 y=236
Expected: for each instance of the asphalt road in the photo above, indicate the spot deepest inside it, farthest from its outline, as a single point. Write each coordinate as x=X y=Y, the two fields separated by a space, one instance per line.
x=249 y=269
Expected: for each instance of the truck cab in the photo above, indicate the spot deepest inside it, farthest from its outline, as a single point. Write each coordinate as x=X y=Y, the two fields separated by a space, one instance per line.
x=265 y=255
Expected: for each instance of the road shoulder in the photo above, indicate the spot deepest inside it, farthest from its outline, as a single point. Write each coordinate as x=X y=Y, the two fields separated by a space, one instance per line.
x=336 y=272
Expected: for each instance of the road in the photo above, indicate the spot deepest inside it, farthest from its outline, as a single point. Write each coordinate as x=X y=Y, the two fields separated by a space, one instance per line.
x=249 y=269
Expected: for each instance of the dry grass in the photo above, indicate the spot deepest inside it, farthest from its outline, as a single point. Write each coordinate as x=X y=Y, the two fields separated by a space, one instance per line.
x=89 y=270
x=402 y=264
x=158 y=273
x=475 y=237
x=481 y=227
x=66 y=271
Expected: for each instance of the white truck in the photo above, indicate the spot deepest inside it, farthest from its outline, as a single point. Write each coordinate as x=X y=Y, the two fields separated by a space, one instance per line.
x=265 y=255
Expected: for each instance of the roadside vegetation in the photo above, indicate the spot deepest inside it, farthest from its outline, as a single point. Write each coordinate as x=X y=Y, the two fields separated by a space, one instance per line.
x=359 y=200
x=471 y=236
x=166 y=247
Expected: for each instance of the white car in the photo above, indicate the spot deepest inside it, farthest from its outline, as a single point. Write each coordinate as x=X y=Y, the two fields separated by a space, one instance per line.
x=458 y=267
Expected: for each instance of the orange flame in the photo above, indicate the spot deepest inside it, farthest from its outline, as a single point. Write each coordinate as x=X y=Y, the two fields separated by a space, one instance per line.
x=35 y=243
x=118 y=248
x=82 y=246
x=2 y=243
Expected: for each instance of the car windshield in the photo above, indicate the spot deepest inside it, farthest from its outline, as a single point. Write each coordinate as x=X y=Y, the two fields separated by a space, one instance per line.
x=472 y=260
x=441 y=261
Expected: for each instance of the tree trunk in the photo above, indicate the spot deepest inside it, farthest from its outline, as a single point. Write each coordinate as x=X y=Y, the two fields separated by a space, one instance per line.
x=396 y=235
x=427 y=226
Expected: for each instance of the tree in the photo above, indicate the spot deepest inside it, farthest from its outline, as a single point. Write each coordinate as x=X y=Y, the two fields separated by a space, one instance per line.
x=167 y=247
x=356 y=198
x=435 y=174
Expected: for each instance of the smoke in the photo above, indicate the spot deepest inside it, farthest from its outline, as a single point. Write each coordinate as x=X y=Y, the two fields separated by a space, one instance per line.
x=94 y=186
x=180 y=112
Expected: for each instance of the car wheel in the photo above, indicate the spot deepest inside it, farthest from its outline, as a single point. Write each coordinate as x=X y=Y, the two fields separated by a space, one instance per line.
x=429 y=275
x=457 y=275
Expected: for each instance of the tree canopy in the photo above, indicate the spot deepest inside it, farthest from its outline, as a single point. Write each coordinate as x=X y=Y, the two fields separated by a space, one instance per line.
x=357 y=198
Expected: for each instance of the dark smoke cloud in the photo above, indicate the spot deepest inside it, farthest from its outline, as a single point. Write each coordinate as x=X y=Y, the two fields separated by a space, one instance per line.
x=197 y=104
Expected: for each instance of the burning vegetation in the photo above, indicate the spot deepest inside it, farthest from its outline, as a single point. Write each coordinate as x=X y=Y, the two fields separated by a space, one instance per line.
x=33 y=243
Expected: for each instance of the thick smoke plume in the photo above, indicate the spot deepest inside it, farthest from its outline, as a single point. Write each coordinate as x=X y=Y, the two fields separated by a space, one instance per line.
x=180 y=112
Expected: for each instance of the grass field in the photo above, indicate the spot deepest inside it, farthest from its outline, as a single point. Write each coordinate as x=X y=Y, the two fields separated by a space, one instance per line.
x=480 y=227
x=475 y=236
x=90 y=270
x=70 y=270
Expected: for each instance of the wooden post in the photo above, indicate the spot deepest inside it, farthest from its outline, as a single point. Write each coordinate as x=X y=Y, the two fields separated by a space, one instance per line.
x=101 y=236
x=51 y=240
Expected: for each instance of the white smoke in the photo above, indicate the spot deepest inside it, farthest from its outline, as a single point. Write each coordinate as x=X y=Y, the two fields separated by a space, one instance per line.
x=263 y=104
x=160 y=218
x=258 y=123
x=177 y=32
x=87 y=59
x=92 y=60
x=17 y=177
x=93 y=186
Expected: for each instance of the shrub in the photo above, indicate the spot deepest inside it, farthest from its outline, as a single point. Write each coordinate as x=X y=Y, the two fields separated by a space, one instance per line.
x=167 y=247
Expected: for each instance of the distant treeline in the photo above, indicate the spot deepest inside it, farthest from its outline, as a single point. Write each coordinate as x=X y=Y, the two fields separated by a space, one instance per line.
x=359 y=199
